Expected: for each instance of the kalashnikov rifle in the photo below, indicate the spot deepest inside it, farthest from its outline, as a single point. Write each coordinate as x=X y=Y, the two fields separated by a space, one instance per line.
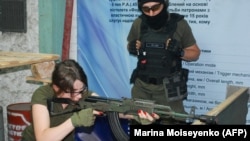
x=111 y=107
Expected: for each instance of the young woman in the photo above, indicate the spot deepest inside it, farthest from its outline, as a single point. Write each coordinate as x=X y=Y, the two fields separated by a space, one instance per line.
x=68 y=81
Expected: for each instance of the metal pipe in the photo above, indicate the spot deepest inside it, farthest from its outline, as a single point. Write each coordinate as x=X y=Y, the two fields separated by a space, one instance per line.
x=67 y=29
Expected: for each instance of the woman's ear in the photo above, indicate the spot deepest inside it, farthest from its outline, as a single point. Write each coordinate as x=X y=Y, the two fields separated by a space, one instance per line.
x=55 y=88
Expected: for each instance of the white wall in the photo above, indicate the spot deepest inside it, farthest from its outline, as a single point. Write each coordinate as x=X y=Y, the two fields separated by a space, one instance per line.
x=13 y=85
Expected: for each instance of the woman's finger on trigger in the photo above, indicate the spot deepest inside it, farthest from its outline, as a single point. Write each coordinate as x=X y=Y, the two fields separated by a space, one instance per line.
x=99 y=113
x=154 y=115
x=141 y=114
x=149 y=117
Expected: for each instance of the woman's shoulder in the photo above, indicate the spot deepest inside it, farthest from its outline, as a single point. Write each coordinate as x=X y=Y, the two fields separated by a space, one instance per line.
x=41 y=94
x=45 y=89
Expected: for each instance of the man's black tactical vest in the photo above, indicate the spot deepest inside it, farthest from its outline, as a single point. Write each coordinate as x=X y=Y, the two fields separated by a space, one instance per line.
x=154 y=61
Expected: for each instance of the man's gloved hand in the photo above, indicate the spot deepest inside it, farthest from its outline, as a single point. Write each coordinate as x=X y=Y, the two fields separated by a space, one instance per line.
x=85 y=117
x=174 y=46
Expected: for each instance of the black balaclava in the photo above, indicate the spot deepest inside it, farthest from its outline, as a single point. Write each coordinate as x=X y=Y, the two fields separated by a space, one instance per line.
x=155 y=22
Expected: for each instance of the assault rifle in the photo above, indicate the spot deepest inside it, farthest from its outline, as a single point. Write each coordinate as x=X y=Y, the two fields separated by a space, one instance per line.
x=111 y=107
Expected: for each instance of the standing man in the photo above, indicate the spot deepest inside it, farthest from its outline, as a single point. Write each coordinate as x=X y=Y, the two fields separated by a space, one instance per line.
x=161 y=40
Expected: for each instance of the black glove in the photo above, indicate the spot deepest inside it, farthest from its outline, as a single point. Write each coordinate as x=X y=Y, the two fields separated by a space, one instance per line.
x=174 y=47
x=132 y=47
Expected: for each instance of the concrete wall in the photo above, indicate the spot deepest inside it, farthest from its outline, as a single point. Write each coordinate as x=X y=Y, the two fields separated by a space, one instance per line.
x=13 y=85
